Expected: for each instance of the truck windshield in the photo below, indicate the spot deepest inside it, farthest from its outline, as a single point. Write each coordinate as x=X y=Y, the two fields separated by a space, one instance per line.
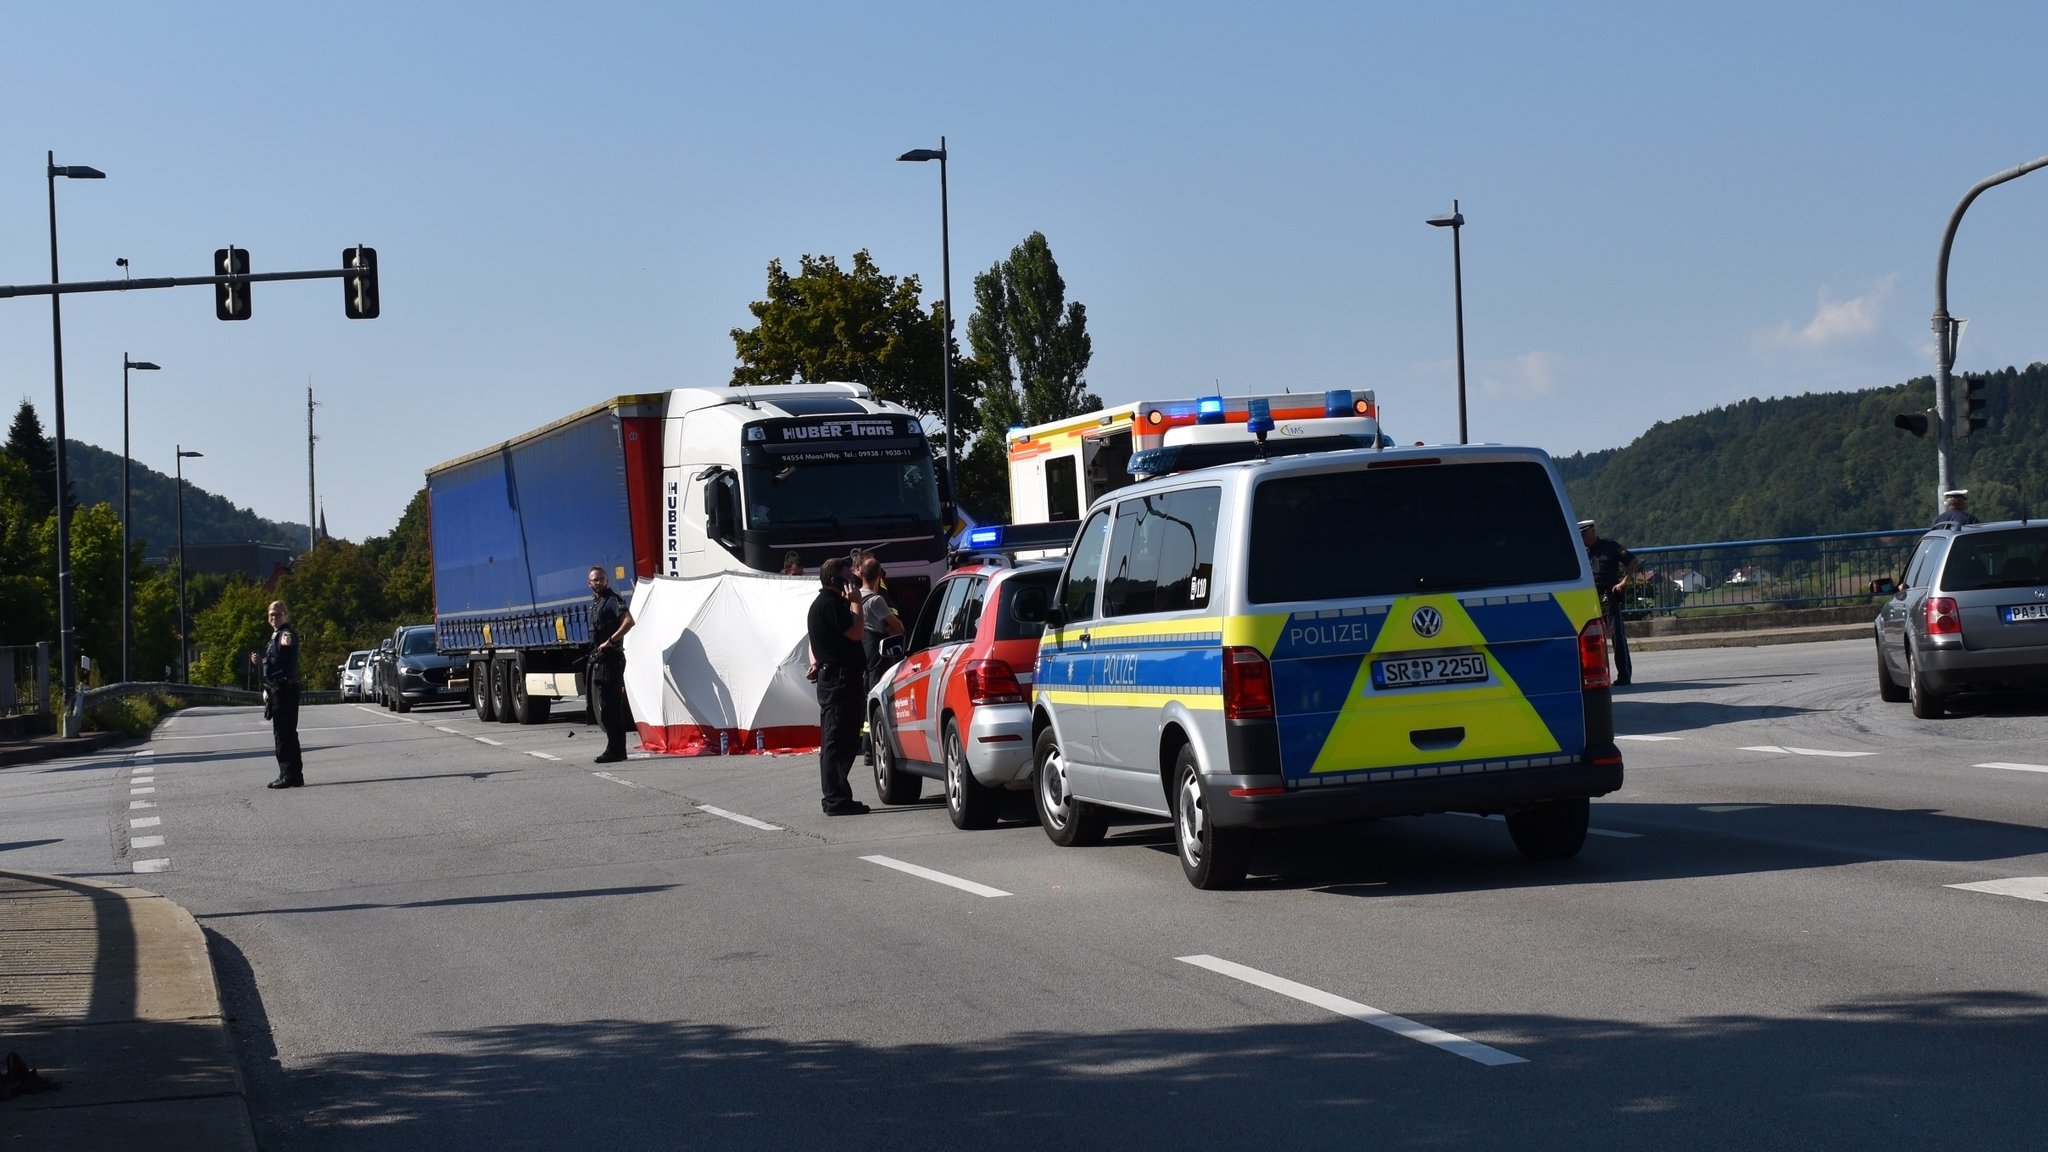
x=840 y=493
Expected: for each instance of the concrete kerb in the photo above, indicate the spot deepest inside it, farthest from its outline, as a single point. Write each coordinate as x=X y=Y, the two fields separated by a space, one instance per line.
x=112 y=1000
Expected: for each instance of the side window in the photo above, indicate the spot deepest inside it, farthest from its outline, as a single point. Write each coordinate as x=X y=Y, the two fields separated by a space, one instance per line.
x=1917 y=569
x=921 y=632
x=949 y=627
x=1062 y=488
x=1084 y=564
x=970 y=612
x=1162 y=552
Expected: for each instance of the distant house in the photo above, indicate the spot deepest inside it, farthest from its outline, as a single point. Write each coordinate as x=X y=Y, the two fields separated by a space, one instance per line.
x=1690 y=580
x=1749 y=576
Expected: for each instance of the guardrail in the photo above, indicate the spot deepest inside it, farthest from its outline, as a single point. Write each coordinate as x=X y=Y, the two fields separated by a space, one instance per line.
x=1786 y=572
x=188 y=693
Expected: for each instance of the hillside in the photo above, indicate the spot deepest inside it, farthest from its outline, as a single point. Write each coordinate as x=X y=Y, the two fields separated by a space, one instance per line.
x=95 y=476
x=1812 y=465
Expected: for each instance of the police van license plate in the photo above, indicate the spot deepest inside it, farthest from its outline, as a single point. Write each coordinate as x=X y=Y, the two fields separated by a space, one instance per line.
x=1424 y=671
x=2018 y=612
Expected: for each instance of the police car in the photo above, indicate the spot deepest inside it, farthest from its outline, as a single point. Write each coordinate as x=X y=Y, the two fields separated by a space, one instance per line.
x=1318 y=638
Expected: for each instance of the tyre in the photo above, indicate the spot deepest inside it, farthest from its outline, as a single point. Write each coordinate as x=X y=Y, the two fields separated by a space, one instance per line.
x=1552 y=831
x=526 y=708
x=971 y=804
x=1927 y=703
x=892 y=784
x=480 y=691
x=1888 y=690
x=1068 y=822
x=501 y=691
x=399 y=703
x=1210 y=857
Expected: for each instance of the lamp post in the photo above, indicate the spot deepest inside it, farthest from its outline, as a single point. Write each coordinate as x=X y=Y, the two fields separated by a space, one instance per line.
x=946 y=274
x=184 y=665
x=66 y=639
x=127 y=619
x=1455 y=221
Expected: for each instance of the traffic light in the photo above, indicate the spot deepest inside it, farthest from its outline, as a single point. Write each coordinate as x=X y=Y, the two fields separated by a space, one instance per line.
x=1914 y=422
x=359 y=287
x=1973 y=406
x=231 y=300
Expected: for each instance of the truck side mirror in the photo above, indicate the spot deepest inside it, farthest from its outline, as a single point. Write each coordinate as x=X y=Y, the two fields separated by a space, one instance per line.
x=721 y=509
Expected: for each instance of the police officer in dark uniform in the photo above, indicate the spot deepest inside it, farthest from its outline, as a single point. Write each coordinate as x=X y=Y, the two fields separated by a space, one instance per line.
x=1956 y=512
x=609 y=622
x=280 y=664
x=1612 y=566
x=835 y=633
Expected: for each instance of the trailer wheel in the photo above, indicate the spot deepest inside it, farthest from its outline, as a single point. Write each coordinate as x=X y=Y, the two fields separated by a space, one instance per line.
x=501 y=690
x=480 y=690
x=526 y=707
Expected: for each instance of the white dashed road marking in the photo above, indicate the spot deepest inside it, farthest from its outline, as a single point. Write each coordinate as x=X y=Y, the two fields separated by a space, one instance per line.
x=146 y=842
x=487 y=740
x=1365 y=1013
x=152 y=865
x=2024 y=887
x=1803 y=751
x=544 y=756
x=140 y=791
x=2014 y=767
x=749 y=821
x=134 y=804
x=146 y=822
x=615 y=779
x=1649 y=737
x=448 y=730
x=936 y=877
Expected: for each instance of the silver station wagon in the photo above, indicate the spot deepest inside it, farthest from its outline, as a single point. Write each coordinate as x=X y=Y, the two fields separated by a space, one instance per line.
x=1970 y=614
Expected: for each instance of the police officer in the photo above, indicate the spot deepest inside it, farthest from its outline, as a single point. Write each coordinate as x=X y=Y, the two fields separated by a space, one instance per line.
x=1956 y=511
x=610 y=620
x=834 y=628
x=280 y=665
x=1613 y=567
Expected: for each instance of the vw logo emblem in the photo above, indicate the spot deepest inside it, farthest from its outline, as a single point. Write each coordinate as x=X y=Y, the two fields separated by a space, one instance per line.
x=1427 y=622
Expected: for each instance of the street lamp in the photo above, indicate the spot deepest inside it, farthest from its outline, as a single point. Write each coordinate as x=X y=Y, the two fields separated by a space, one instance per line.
x=1455 y=221
x=946 y=272
x=127 y=620
x=66 y=640
x=184 y=664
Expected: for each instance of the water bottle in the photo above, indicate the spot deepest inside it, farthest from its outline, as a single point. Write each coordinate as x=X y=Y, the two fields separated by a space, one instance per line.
x=724 y=742
x=760 y=740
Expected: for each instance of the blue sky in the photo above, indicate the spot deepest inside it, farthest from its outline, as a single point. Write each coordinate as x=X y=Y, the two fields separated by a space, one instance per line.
x=1668 y=209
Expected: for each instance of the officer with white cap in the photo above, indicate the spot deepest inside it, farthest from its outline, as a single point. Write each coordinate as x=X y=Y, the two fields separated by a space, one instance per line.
x=1613 y=567
x=1955 y=510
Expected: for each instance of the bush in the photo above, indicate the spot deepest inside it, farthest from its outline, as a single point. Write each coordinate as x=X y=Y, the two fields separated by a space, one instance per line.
x=134 y=715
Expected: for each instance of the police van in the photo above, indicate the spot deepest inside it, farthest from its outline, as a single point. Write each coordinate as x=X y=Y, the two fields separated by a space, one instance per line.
x=1318 y=638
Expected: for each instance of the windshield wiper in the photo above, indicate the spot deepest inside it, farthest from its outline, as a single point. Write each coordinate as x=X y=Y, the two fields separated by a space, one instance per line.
x=910 y=516
x=805 y=522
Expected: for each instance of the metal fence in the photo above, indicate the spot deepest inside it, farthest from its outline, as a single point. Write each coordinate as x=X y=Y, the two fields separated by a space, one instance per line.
x=24 y=679
x=1788 y=572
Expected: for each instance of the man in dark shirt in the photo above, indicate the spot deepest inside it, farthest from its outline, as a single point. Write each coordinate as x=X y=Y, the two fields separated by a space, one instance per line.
x=835 y=633
x=280 y=665
x=609 y=622
x=1956 y=511
x=1613 y=566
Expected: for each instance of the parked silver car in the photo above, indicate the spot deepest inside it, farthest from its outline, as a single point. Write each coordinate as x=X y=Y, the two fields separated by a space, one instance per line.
x=355 y=683
x=1970 y=614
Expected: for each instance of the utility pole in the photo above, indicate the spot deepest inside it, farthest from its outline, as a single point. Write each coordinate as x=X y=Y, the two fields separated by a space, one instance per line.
x=312 y=521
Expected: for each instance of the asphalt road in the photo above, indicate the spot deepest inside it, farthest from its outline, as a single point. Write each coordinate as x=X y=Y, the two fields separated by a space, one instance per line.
x=467 y=936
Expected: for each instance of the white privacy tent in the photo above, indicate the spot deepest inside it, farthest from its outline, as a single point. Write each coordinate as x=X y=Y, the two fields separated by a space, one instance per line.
x=716 y=664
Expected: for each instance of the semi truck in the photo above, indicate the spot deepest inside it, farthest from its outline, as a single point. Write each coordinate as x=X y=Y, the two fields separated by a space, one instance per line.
x=685 y=484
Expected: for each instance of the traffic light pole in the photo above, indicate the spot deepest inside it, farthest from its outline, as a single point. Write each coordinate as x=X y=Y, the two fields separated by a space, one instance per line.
x=7 y=290
x=1945 y=334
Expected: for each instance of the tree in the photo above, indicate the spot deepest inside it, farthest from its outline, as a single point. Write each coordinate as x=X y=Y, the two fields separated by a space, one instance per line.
x=227 y=632
x=857 y=325
x=1031 y=347
x=27 y=443
x=404 y=562
x=337 y=604
x=27 y=571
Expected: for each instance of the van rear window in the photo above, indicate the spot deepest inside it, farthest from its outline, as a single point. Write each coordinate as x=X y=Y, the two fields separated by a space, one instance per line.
x=1437 y=528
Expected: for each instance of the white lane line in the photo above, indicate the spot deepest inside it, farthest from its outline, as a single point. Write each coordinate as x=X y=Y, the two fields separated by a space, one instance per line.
x=544 y=755
x=1365 y=1013
x=1803 y=751
x=134 y=804
x=140 y=791
x=749 y=821
x=486 y=740
x=146 y=842
x=152 y=865
x=146 y=822
x=1730 y=807
x=143 y=770
x=2014 y=767
x=144 y=752
x=936 y=877
x=1646 y=738
x=142 y=779
x=615 y=779
x=2024 y=887
x=450 y=731
x=266 y=735
x=1607 y=832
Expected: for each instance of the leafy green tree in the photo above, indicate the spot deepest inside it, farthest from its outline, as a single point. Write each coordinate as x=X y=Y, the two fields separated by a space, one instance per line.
x=336 y=598
x=404 y=562
x=231 y=627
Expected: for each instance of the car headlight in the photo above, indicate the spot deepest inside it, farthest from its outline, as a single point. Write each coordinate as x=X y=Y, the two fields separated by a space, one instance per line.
x=409 y=669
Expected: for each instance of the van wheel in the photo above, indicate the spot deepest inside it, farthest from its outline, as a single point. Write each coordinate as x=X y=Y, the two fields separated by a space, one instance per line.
x=1551 y=831
x=1210 y=857
x=480 y=691
x=969 y=802
x=892 y=784
x=1888 y=690
x=1068 y=822
x=1927 y=703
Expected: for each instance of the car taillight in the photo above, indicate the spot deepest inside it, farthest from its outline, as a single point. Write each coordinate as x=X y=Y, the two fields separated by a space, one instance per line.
x=1942 y=619
x=992 y=682
x=1593 y=656
x=1247 y=685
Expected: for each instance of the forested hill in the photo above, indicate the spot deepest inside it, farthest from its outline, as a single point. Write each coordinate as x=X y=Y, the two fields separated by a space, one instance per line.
x=95 y=476
x=1814 y=464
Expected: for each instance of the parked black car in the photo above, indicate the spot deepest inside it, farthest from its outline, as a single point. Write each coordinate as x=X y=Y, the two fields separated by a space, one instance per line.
x=411 y=672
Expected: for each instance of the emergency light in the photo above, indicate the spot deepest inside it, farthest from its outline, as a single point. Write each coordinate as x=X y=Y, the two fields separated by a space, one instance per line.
x=1337 y=402
x=1209 y=410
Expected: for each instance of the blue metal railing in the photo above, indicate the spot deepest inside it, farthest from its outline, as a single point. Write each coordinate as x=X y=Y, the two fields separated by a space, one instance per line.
x=1786 y=572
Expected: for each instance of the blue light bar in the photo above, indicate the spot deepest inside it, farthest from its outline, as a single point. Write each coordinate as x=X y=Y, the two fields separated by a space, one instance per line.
x=1209 y=410
x=1258 y=418
x=987 y=537
x=1337 y=402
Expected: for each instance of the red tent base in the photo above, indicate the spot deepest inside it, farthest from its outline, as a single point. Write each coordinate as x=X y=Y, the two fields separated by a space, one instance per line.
x=703 y=740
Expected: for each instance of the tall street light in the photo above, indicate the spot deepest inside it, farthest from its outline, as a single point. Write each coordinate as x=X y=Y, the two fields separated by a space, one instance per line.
x=66 y=638
x=1455 y=221
x=946 y=272
x=127 y=620
x=184 y=664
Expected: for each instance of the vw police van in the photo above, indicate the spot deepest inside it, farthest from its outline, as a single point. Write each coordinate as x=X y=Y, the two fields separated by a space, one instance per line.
x=1328 y=637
